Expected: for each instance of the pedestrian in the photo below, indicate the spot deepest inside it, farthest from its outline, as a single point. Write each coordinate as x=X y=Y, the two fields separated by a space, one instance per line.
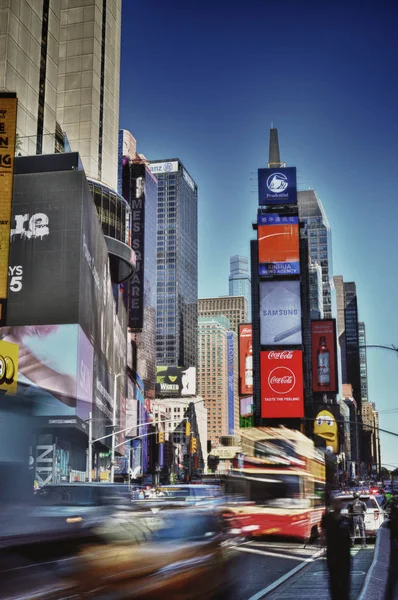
x=357 y=510
x=336 y=535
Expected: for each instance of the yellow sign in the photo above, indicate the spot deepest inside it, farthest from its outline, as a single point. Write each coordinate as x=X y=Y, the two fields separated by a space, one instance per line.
x=8 y=367
x=8 y=123
x=326 y=427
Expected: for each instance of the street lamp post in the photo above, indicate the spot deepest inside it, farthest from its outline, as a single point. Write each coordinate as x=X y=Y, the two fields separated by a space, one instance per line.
x=114 y=428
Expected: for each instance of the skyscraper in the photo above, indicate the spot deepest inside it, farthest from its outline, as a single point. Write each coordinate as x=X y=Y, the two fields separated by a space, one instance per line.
x=363 y=365
x=213 y=373
x=177 y=264
x=239 y=280
x=234 y=308
x=63 y=61
x=348 y=336
x=312 y=213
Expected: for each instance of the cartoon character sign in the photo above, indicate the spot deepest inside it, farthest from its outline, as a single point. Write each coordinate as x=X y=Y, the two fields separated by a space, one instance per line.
x=326 y=427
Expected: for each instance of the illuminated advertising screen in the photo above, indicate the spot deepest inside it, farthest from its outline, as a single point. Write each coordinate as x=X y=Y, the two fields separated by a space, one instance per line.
x=280 y=313
x=245 y=359
x=278 y=245
x=277 y=186
x=282 y=395
x=324 y=361
x=58 y=382
x=8 y=122
x=175 y=381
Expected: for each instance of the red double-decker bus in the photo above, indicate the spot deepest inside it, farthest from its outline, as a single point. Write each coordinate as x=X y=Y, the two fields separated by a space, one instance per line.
x=282 y=477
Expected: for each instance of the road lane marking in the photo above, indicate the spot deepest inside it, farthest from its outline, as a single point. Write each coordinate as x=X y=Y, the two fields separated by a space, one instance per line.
x=285 y=577
x=268 y=553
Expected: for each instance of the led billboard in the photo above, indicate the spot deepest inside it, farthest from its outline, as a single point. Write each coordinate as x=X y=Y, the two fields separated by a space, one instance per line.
x=282 y=395
x=324 y=356
x=277 y=186
x=8 y=122
x=245 y=359
x=278 y=245
x=175 y=381
x=280 y=313
x=58 y=382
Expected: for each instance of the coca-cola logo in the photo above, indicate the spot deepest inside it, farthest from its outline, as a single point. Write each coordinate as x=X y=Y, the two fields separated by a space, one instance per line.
x=281 y=380
x=281 y=355
x=246 y=331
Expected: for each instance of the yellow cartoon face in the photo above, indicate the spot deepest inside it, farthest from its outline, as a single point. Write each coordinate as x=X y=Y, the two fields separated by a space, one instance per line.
x=326 y=427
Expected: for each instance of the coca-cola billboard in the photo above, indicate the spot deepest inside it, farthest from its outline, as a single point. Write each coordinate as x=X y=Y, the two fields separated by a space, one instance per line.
x=245 y=360
x=282 y=395
x=324 y=363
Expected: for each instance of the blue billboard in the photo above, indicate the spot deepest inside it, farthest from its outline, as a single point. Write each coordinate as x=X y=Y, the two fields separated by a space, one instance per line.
x=231 y=381
x=277 y=186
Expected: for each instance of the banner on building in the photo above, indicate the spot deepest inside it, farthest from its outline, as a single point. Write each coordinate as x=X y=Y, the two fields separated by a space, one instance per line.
x=324 y=356
x=175 y=381
x=278 y=245
x=280 y=313
x=277 y=186
x=245 y=359
x=8 y=367
x=8 y=123
x=282 y=395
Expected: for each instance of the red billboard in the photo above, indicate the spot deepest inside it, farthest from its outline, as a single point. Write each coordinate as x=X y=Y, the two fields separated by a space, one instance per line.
x=245 y=360
x=324 y=363
x=282 y=394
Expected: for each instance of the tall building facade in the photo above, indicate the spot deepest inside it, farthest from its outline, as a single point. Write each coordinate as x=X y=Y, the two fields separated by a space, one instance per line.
x=177 y=264
x=316 y=291
x=234 y=308
x=63 y=61
x=312 y=213
x=239 y=280
x=213 y=373
x=363 y=365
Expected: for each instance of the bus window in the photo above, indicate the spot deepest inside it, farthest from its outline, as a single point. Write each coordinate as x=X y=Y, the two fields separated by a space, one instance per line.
x=277 y=491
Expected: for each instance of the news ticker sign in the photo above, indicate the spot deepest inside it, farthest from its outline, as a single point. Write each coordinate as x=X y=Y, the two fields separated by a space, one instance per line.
x=277 y=186
x=164 y=167
x=8 y=123
x=281 y=373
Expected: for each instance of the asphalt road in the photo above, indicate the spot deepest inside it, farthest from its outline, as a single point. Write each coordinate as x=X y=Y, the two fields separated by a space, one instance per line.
x=262 y=564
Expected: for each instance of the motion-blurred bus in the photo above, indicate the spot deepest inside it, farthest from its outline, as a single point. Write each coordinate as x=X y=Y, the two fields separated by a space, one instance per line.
x=282 y=477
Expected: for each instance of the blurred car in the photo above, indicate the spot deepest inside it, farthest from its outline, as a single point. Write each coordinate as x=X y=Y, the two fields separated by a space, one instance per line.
x=374 y=516
x=175 y=554
x=191 y=494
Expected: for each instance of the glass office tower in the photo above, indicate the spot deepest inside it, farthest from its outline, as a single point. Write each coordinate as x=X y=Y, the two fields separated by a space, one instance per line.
x=177 y=265
x=239 y=280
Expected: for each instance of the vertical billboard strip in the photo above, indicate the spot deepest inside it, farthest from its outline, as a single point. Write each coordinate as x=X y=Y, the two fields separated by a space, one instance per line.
x=231 y=382
x=277 y=186
x=245 y=359
x=278 y=245
x=324 y=356
x=282 y=395
x=280 y=313
x=8 y=122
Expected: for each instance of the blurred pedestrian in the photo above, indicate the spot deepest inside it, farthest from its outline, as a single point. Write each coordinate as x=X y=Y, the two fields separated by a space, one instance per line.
x=357 y=510
x=336 y=535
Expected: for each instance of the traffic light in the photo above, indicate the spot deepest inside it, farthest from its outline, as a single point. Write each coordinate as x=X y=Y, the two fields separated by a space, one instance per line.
x=187 y=428
x=193 y=445
x=161 y=437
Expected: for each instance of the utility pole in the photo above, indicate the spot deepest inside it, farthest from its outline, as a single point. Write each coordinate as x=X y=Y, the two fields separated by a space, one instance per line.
x=114 y=428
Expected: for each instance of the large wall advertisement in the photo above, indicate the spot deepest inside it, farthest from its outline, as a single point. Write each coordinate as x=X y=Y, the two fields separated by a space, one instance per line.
x=324 y=357
x=278 y=245
x=175 y=381
x=282 y=394
x=8 y=367
x=59 y=275
x=245 y=359
x=231 y=381
x=277 y=186
x=280 y=313
x=8 y=123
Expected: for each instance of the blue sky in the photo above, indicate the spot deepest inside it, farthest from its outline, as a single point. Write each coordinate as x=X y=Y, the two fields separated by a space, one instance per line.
x=202 y=81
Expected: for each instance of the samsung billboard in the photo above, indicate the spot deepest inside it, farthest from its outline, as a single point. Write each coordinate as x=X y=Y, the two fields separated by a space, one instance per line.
x=280 y=313
x=277 y=186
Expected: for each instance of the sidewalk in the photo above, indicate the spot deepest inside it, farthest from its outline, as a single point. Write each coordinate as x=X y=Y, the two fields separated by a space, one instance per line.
x=312 y=582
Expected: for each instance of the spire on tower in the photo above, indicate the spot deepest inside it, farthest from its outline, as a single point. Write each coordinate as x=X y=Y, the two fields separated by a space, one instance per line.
x=274 y=159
